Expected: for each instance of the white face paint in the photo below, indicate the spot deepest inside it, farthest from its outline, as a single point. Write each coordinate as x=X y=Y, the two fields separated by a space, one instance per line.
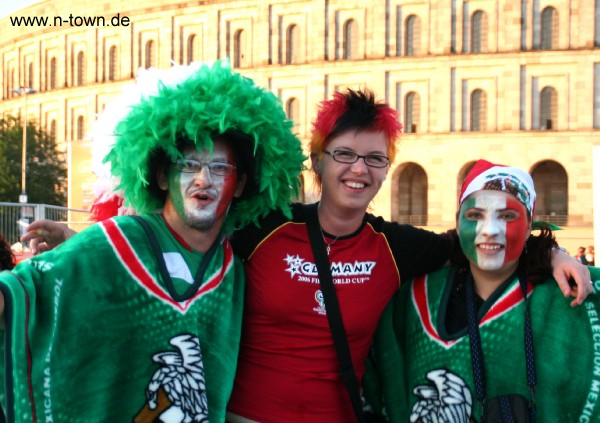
x=200 y=200
x=492 y=228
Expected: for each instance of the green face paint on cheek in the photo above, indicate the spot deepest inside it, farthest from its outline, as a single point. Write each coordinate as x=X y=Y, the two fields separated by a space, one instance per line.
x=467 y=231
x=176 y=190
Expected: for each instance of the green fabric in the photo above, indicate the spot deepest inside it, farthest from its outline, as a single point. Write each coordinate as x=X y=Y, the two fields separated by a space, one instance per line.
x=407 y=358
x=85 y=338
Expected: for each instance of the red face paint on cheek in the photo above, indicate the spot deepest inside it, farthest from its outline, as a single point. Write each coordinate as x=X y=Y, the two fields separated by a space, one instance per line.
x=227 y=192
x=516 y=231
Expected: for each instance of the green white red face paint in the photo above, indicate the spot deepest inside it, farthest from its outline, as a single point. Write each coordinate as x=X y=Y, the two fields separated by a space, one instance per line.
x=201 y=199
x=492 y=228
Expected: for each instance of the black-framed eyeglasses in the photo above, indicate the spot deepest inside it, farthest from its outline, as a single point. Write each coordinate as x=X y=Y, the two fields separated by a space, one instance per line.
x=344 y=156
x=194 y=166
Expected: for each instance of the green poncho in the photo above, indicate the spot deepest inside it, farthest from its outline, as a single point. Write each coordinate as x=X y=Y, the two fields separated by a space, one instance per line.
x=93 y=333
x=424 y=372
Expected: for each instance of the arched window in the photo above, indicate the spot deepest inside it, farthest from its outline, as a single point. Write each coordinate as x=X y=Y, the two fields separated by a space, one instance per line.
x=479 y=32
x=412 y=108
x=238 y=48
x=411 y=198
x=549 y=28
x=149 y=54
x=292 y=42
x=413 y=36
x=292 y=110
x=548 y=109
x=190 y=48
x=30 y=75
x=112 y=63
x=551 y=186
x=80 y=128
x=53 y=73
x=478 y=110
x=80 y=69
x=350 y=40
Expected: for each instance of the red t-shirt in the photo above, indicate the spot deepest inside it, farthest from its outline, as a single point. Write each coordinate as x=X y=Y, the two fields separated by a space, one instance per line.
x=288 y=370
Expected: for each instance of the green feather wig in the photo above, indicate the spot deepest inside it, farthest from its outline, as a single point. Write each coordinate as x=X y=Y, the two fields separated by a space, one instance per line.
x=213 y=100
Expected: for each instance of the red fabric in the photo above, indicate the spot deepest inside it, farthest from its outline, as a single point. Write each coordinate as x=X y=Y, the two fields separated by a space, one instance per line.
x=480 y=167
x=104 y=208
x=300 y=382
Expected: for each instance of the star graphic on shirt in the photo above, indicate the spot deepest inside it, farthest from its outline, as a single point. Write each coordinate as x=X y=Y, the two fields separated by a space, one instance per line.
x=294 y=263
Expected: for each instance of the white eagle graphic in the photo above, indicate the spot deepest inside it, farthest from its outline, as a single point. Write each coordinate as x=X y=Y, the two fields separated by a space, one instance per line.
x=181 y=377
x=446 y=400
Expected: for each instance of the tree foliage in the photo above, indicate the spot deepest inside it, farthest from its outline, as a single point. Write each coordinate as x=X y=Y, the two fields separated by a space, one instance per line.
x=46 y=174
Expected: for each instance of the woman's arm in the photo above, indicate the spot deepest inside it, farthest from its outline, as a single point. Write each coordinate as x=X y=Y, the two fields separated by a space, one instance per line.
x=564 y=268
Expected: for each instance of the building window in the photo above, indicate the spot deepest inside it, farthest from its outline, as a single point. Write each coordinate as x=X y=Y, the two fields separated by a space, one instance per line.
x=12 y=86
x=350 y=41
x=478 y=110
x=549 y=28
x=550 y=180
x=292 y=109
x=238 y=48
x=399 y=31
x=548 y=109
x=149 y=54
x=413 y=36
x=190 y=48
x=112 y=63
x=411 y=112
x=80 y=128
x=53 y=73
x=53 y=132
x=412 y=195
x=292 y=42
x=30 y=75
x=79 y=80
x=479 y=32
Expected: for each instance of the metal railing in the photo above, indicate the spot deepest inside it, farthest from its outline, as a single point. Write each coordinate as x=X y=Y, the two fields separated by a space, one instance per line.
x=14 y=217
x=556 y=219
x=413 y=219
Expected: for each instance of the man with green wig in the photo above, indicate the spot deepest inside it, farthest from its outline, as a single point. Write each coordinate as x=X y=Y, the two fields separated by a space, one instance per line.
x=138 y=318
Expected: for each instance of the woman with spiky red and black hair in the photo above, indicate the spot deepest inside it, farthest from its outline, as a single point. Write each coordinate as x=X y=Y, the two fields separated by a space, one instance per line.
x=288 y=367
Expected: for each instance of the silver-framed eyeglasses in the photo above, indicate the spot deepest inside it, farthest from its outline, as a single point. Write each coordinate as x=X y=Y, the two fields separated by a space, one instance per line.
x=194 y=166
x=344 y=156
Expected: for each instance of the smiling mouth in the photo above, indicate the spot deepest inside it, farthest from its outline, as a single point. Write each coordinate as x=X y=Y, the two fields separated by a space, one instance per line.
x=355 y=185
x=490 y=248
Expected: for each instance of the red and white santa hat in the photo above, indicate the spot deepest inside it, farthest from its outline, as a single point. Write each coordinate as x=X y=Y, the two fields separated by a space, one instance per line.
x=512 y=180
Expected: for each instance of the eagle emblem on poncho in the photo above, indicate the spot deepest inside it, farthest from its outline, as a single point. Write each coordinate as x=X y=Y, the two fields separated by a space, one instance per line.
x=177 y=391
x=446 y=400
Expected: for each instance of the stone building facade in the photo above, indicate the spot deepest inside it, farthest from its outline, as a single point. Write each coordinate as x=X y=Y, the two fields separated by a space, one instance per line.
x=511 y=81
